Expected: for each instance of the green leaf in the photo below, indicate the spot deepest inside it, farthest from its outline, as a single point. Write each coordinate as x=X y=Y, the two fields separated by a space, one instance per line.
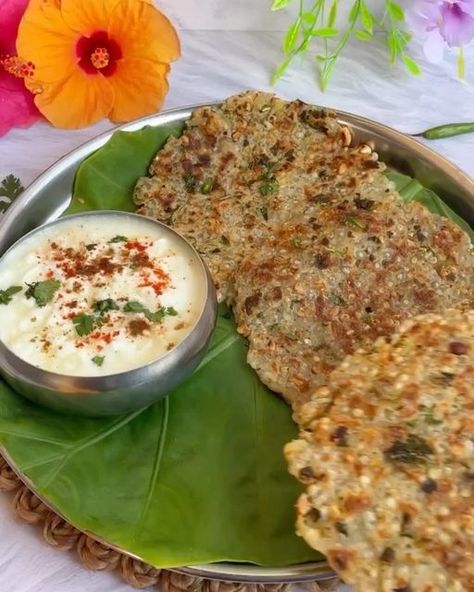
x=7 y=295
x=291 y=36
x=366 y=18
x=325 y=32
x=98 y=360
x=264 y=211
x=332 y=14
x=393 y=46
x=364 y=36
x=11 y=187
x=42 y=292
x=161 y=482
x=281 y=69
x=118 y=239
x=395 y=10
x=106 y=179
x=308 y=18
x=154 y=317
x=190 y=182
x=269 y=187
x=279 y=4
x=327 y=69
x=103 y=306
x=134 y=306
x=411 y=65
x=354 y=12
x=207 y=186
x=84 y=324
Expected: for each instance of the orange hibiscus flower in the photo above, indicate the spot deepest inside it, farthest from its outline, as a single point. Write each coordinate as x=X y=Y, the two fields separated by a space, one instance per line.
x=96 y=58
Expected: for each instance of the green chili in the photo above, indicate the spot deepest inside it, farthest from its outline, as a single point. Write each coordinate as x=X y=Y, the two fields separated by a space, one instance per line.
x=448 y=130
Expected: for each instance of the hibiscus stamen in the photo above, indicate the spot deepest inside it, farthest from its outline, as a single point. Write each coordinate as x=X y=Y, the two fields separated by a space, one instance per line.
x=17 y=67
x=100 y=58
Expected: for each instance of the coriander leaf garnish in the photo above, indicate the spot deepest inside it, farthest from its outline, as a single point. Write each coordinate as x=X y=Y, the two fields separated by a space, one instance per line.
x=154 y=317
x=91 y=246
x=355 y=222
x=269 y=187
x=103 y=306
x=11 y=188
x=7 y=295
x=98 y=360
x=42 y=292
x=119 y=239
x=337 y=300
x=414 y=450
x=84 y=324
x=190 y=182
x=207 y=186
x=134 y=306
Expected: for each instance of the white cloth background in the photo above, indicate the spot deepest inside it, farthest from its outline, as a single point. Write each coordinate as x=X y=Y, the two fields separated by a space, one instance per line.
x=229 y=46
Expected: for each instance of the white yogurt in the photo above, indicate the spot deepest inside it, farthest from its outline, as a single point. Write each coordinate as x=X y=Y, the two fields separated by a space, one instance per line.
x=99 y=295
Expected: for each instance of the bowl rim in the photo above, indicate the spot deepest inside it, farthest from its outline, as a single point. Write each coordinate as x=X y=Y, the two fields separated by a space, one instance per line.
x=125 y=378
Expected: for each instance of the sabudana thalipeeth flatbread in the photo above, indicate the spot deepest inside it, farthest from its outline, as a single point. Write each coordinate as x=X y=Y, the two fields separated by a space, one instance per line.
x=386 y=452
x=241 y=169
x=304 y=235
x=349 y=271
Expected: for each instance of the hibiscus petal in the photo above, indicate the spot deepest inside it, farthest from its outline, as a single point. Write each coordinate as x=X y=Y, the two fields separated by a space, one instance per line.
x=78 y=101
x=46 y=40
x=87 y=16
x=12 y=11
x=143 y=32
x=434 y=47
x=457 y=27
x=17 y=108
x=140 y=88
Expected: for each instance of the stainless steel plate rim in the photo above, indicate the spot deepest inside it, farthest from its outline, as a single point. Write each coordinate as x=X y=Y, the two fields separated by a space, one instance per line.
x=388 y=143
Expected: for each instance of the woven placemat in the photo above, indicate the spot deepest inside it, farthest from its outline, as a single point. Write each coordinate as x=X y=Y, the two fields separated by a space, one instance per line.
x=97 y=556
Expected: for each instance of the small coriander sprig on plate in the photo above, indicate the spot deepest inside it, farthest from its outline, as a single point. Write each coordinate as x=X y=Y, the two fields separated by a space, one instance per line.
x=10 y=189
x=318 y=23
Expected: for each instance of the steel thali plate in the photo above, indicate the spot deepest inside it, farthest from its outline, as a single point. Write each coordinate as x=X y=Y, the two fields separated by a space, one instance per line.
x=49 y=196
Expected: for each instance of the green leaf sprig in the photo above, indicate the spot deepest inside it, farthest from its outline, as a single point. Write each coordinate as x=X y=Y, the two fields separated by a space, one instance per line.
x=11 y=188
x=118 y=239
x=153 y=317
x=86 y=323
x=7 y=295
x=42 y=292
x=317 y=23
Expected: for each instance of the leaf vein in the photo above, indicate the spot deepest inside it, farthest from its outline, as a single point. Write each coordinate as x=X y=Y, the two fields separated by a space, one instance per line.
x=156 y=466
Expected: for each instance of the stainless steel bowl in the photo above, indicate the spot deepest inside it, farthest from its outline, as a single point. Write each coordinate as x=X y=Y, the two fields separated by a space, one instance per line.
x=122 y=392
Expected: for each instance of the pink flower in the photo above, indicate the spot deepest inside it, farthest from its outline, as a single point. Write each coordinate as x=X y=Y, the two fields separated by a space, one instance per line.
x=441 y=23
x=17 y=108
